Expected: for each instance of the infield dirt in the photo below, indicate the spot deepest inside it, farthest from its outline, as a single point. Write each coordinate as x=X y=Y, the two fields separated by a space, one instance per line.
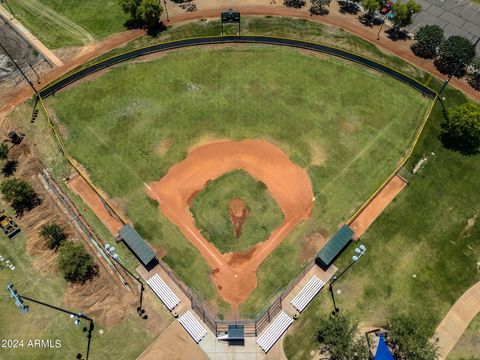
x=234 y=274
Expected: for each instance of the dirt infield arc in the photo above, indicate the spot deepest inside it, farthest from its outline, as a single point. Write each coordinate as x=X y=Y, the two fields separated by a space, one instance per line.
x=56 y=86
x=234 y=273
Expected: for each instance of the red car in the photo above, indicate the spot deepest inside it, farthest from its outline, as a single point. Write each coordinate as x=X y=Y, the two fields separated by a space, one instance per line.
x=386 y=8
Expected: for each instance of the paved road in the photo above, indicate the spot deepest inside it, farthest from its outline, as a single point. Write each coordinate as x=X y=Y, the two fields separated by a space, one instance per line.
x=456 y=17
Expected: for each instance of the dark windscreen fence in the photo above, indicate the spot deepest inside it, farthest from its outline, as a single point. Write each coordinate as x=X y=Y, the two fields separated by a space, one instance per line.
x=51 y=89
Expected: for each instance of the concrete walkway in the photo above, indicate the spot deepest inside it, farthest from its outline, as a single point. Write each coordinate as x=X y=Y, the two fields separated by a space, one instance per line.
x=457 y=320
x=30 y=38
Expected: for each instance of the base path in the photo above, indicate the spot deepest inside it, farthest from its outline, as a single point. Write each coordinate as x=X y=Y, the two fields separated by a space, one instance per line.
x=457 y=320
x=373 y=210
x=290 y=186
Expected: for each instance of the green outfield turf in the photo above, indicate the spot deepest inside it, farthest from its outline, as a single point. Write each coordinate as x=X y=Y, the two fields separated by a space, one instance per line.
x=349 y=126
x=210 y=208
x=59 y=23
x=421 y=252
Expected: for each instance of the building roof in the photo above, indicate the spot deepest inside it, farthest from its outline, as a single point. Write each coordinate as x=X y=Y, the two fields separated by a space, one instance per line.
x=136 y=244
x=334 y=246
x=236 y=332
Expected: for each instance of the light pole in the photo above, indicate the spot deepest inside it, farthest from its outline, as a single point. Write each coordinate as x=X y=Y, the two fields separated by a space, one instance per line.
x=360 y=251
x=166 y=10
x=19 y=302
x=110 y=250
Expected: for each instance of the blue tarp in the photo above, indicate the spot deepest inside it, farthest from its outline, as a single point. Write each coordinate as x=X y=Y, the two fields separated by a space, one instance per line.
x=383 y=352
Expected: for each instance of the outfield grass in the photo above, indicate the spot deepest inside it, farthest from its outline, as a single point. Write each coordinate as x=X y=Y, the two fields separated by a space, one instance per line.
x=349 y=137
x=468 y=347
x=210 y=211
x=424 y=232
x=60 y=23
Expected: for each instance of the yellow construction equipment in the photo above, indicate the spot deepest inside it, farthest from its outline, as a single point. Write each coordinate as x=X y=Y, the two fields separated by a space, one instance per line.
x=7 y=224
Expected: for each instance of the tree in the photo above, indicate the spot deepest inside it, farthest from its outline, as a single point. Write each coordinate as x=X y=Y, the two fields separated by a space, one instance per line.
x=454 y=53
x=427 y=40
x=76 y=263
x=3 y=151
x=461 y=128
x=131 y=7
x=53 y=234
x=403 y=13
x=473 y=77
x=409 y=337
x=19 y=194
x=371 y=5
x=149 y=12
x=337 y=336
x=297 y=4
x=319 y=7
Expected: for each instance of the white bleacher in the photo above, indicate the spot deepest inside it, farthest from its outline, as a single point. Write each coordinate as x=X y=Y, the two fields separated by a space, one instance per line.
x=307 y=293
x=162 y=290
x=193 y=326
x=274 y=331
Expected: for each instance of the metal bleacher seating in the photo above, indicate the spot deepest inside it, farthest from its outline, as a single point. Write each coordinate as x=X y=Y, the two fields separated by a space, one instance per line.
x=307 y=293
x=162 y=290
x=193 y=326
x=274 y=331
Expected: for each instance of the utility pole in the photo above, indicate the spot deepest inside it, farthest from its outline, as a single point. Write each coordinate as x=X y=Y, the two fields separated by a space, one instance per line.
x=140 y=309
x=166 y=10
x=454 y=72
x=360 y=251
x=19 y=301
x=19 y=69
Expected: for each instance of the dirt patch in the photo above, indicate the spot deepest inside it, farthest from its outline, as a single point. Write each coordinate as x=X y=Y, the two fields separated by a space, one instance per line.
x=312 y=243
x=238 y=211
x=90 y=197
x=363 y=221
x=163 y=146
x=288 y=184
x=107 y=303
x=317 y=154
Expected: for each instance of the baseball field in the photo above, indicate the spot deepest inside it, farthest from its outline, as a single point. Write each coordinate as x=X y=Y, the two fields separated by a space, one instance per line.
x=344 y=126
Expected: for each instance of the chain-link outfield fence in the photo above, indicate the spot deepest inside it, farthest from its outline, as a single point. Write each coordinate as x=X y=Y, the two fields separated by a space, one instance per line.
x=252 y=326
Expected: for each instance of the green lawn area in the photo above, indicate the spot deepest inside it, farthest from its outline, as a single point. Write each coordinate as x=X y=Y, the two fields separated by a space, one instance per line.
x=468 y=347
x=349 y=137
x=60 y=23
x=210 y=209
x=422 y=252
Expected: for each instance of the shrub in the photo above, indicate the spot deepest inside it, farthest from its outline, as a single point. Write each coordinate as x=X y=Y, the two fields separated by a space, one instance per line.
x=53 y=234
x=473 y=77
x=427 y=40
x=76 y=264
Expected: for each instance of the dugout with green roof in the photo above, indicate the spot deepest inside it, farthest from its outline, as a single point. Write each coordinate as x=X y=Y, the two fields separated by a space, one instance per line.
x=138 y=246
x=334 y=247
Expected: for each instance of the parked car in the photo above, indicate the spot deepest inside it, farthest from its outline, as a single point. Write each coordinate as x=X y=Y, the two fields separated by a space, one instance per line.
x=386 y=8
x=391 y=15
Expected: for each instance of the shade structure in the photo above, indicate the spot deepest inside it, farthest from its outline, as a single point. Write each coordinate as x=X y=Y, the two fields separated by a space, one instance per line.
x=383 y=352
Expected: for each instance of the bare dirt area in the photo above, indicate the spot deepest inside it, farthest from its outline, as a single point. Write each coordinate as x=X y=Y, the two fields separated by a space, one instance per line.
x=377 y=205
x=238 y=211
x=90 y=197
x=234 y=274
x=174 y=344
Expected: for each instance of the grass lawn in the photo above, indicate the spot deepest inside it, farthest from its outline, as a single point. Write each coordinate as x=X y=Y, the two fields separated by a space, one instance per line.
x=59 y=23
x=422 y=251
x=468 y=347
x=349 y=137
x=210 y=208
